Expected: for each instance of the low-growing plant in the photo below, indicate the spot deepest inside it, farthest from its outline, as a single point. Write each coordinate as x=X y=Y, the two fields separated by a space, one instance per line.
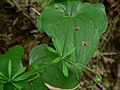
x=75 y=29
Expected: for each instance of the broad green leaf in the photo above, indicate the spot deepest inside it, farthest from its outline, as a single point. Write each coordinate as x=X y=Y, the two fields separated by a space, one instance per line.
x=65 y=69
x=9 y=68
x=9 y=86
x=17 y=86
x=41 y=55
x=38 y=84
x=1 y=86
x=53 y=75
x=50 y=69
x=20 y=71
x=75 y=24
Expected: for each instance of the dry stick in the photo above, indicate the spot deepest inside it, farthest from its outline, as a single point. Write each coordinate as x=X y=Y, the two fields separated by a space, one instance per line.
x=56 y=88
x=19 y=9
x=109 y=33
x=16 y=4
x=33 y=9
x=109 y=54
x=117 y=85
x=34 y=78
x=98 y=84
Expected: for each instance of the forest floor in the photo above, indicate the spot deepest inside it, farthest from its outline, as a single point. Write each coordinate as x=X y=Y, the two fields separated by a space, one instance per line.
x=18 y=26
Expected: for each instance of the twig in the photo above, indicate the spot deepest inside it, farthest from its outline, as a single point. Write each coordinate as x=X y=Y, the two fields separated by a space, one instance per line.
x=34 y=78
x=20 y=10
x=33 y=9
x=16 y=4
x=108 y=33
x=105 y=38
x=56 y=88
x=111 y=53
x=117 y=85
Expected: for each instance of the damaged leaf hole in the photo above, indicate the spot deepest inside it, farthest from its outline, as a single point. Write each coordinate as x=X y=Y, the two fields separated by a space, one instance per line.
x=77 y=28
x=84 y=44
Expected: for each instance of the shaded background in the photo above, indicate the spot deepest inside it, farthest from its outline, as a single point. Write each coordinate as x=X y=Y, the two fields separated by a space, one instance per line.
x=18 y=26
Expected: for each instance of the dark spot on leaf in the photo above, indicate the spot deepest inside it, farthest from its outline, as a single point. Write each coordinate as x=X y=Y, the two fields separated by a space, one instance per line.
x=84 y=44
x=77 y=28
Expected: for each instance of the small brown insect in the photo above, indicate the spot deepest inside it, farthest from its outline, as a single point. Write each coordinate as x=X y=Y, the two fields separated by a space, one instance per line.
x=84 y=44
x=77 y=28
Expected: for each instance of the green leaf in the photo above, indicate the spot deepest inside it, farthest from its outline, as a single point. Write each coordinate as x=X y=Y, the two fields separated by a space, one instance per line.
x=9 y=86
x=57 y=46
x=9 y=68
x=2 y=81
x=54 y=76
x=56 y=60
x=53 y=73
x=21 y=77
x=69 y=52
x=2 y=76
x=1 y=86
x=75 y=24
x=40 y=84
x=41 y=55
x=17 y=86
x=27 y=74
x=65 y=69
x=36 y=84
x=20 y=71
x=13 y=56
x=51 y=49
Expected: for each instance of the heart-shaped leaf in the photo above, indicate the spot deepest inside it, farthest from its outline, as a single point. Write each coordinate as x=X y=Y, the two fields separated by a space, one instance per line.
x=53 y=73
x=75 y=24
